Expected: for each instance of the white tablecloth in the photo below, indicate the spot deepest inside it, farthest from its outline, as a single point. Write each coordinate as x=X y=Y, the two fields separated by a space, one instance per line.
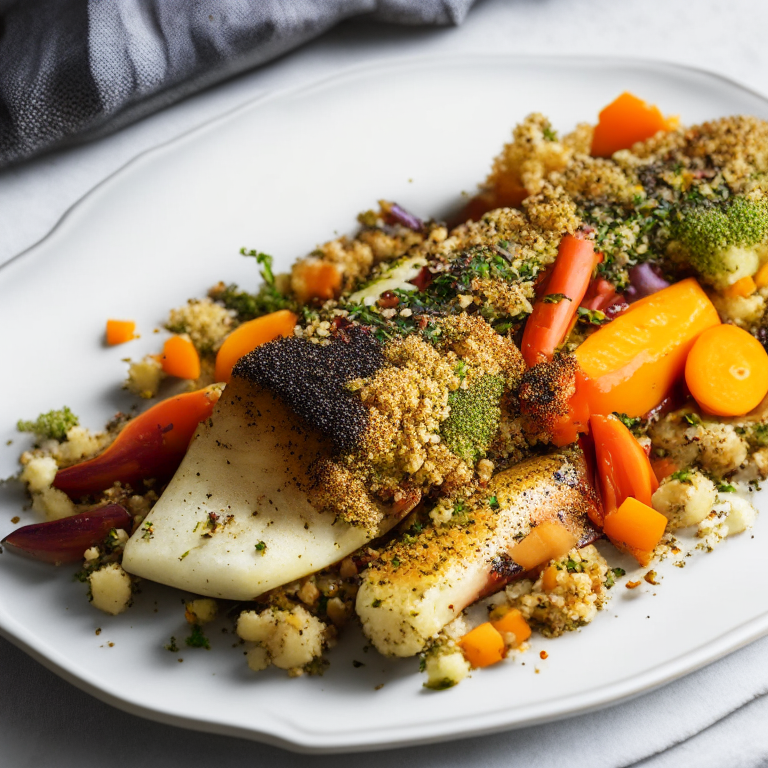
x=715 y=717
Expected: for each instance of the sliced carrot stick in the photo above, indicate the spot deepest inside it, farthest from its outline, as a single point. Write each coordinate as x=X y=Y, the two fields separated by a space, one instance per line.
x=637 y=527
x=512 y=622
x=180 y=358
x=623 y=467
x=554 y=311
x=547 y=541
x=727 y=371
x=633 y=362
x=483 y=646
x=625 y=121
x=246 y=337
x=120 y=331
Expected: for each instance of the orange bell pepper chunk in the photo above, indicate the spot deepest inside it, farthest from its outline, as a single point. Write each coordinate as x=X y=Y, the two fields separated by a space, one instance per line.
x=180 y=358
x=512 y=622
x=555 y=310
x=633 y=362
x=624 y=122
x=623 y=467
x=120 y=331
x=547 y=541
x=727 y=371
x=246 y=337
x=636 y=528
x=483 y=646
x=151 y=445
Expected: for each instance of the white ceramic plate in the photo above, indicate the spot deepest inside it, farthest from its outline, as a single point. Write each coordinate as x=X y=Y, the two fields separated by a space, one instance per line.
x=282 y=174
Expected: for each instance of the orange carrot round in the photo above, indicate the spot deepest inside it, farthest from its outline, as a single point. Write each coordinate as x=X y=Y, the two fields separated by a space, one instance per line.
x=513 y=622
x=636 y=527
x=246 y=337
x=623 y=467
x=120 y=331
x=554 y=311
x=727 y=371
x=625 y=121
x=483 y=646
x=180 y=358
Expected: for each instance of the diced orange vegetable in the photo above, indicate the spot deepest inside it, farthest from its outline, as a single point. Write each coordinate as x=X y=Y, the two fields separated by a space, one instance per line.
x=549 y=578
x=554 y=311
x=506 y=192
x=633 y=362
x=623 y=467
x=315 y=279
x=120 y=331
x=636 y=527
x=576 y=420
x=512 y=622
x=761 y=278
x=625 y=121
x=180 y=358
x=246 y=337
x=483 y=646
x=741 y=288
x=547 y=541
x=727 y=371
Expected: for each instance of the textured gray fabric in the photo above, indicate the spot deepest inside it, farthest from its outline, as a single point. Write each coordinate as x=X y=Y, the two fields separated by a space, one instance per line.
x=71 y=69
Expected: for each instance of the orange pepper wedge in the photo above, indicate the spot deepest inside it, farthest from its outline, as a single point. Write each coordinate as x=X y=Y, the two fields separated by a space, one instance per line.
x=151 y=445
x=180 y=358
x=554 y=311
x=246 y=337
x=636 y=528
x=623 y=467
x=483 y=646
x=633 y=362
x=625 y=121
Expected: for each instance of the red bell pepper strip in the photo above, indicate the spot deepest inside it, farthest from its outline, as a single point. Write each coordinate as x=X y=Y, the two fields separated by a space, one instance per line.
x=151 y=445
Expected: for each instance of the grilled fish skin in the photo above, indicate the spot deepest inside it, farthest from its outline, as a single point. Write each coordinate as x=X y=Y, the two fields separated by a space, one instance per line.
x=418 y=587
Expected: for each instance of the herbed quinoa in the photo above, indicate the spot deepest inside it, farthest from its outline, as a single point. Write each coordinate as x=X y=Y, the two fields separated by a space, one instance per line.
x=423 y=445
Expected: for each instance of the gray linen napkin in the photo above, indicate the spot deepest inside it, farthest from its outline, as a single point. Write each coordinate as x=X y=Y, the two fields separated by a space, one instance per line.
x=74 y=69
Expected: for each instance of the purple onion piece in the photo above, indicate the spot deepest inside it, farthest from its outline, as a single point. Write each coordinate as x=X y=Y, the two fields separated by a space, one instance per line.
x=401 y=216
x=644 y=279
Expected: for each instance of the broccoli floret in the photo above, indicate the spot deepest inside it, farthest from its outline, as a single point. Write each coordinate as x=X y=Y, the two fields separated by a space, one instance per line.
x=720 y=240
x=474 y=418
x=54 y=424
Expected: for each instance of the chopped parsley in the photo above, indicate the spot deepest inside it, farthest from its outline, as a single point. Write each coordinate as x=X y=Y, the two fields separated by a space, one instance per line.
x=197 y=639
x=591 y=316
x=682 y=476
x=172 y=647
x=261 y=547
x=555 y=298
x=612 y=575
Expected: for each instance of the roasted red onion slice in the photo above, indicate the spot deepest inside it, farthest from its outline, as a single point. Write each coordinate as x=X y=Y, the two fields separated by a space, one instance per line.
x=644 y=279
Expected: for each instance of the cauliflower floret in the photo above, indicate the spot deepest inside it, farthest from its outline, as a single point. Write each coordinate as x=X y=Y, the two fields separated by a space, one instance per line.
x=39 y=473
x=144 y=377
x=744 y=311
x=80 y=442
x=445 y=668
x=201 y=611
x=579 y=593
x=291 y=639
x=740 y=516
x=205 y=322
x=110 y=589
x=53 y=503
x=686 y=499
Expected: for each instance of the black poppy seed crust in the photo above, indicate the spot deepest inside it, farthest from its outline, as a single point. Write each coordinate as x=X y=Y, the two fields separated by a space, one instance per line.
x=310 y=379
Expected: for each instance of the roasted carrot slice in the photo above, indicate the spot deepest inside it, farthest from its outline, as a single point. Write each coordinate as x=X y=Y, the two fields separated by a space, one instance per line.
x=554 y=311
x=120 y=331
x=246 y=337
x=633 y=362
x=625 y=121
x=727 y=371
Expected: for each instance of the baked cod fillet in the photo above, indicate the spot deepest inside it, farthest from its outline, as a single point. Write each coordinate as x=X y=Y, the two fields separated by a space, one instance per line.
x=238 y=517
x=419 y=586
